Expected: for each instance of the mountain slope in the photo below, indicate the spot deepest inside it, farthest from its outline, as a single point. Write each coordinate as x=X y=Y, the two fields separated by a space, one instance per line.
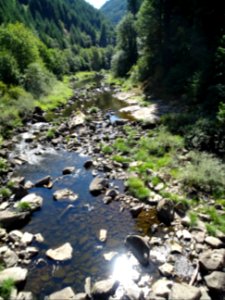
x=114 y=10
x=59 y=23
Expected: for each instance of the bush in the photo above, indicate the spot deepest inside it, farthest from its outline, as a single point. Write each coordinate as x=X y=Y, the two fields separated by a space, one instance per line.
x=137 y=188
x=38 y=80
x=6 y=288
x=9 y=72
x=204 y=172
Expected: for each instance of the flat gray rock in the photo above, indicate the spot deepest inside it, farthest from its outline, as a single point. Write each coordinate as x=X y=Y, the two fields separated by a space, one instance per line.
x=97 y=185
x=212 y=260
x=17 y=274
x=185 y=292
x=66 y=293
x=216 y=281
x=62 y=253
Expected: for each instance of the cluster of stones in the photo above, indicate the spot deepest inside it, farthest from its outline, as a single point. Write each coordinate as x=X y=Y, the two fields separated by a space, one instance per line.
x=206 y=254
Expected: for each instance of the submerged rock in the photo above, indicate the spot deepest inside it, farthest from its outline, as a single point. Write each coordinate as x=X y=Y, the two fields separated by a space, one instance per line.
x=43 y=182
x=139 y=247
x=65 y=194
x=62 y=253
x=68 y=170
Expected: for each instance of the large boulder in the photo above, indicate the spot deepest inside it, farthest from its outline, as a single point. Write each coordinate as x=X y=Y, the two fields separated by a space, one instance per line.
x=139 y=247
x=165 y=211
x=185 y=292
x=103 y=289
x=77 y=120
x=17 y=274
x=212 y=260
x=62 y=253
x=33 y=200
x=97 y=185
x=66 y=293
x=216 y=281
x=12 y=219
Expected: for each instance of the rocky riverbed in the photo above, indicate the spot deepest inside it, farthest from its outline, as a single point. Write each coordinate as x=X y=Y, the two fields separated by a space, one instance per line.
x=140 y=250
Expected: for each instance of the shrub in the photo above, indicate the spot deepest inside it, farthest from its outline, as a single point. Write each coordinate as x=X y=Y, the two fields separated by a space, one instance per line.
x=137 y=188
x=3 y=165
x=204 y=172
x=5 y=192
x=6 y=288
x=107 y=149
x=38 y=80
x=23 y=207
x=9 y=72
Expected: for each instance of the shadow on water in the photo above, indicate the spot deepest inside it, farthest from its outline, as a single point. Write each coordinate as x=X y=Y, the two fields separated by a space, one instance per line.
x=79 y=226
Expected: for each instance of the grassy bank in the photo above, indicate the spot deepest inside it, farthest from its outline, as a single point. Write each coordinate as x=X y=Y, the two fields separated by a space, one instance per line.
x=158 y=164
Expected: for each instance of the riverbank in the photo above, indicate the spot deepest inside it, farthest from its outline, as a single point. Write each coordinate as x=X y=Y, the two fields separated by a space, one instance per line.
x=178 y=214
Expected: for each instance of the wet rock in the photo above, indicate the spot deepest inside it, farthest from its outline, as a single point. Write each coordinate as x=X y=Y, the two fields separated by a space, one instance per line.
x=19 y=191
x=185 y=292
x=216 y=281
x=161 y=288
x=81 y=296
x=97 y=185
x=186 y=235
x=165 y=211
x=136 y=210
x=213 y=242
x=103 y=289
x=68 y=170
x=28 y=137
x=111 y=193
x=66 y=293
x=39 y=238
x=33 y=200
x=212 y=260
x=25 y=296
x=62 y=253
x=17 y=274
x=166 y=269
x=31 y=251
x=27 y=238
x=10 y=219
x=103 y=235
x=139 y=247
x=43 y=182
x=65 y=194
x=88 y=164
x=8 y=256
x=28 y=185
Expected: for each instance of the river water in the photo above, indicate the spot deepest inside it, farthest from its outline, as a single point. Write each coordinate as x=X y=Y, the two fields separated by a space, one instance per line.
x=80 y=223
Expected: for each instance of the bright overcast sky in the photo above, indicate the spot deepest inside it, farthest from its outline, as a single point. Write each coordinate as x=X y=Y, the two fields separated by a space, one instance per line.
x=96 y=3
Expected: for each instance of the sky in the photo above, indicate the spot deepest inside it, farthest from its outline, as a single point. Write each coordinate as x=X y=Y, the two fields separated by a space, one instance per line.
x=96 y=3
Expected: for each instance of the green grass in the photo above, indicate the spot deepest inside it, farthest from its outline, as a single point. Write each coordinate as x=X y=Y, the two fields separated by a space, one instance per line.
x=6 y=288
x=137 y=188
x=85 y=75
x=121 y=146
x=107 y=149
x=204 y=172
x=3 y=165
x=50 y=134
x=5 y=192
x=211 y=229
x=59 y=94
x=193 y=218
x=23 y=207
x=121 y=159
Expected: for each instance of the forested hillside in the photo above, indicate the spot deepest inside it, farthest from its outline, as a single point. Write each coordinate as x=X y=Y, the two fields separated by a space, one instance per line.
x=43 y=40
x=114 y=10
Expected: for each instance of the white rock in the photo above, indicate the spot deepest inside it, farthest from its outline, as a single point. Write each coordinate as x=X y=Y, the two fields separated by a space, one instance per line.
x=213 y=242
x=27 y=238
x=62 y=253
x=67 y=294
x=166 y=269
x=162 y=287
x=17 y=274
x=15 y=235
x=33 y=200
x=39 y=238
x=110 y=255
x=103 y=235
